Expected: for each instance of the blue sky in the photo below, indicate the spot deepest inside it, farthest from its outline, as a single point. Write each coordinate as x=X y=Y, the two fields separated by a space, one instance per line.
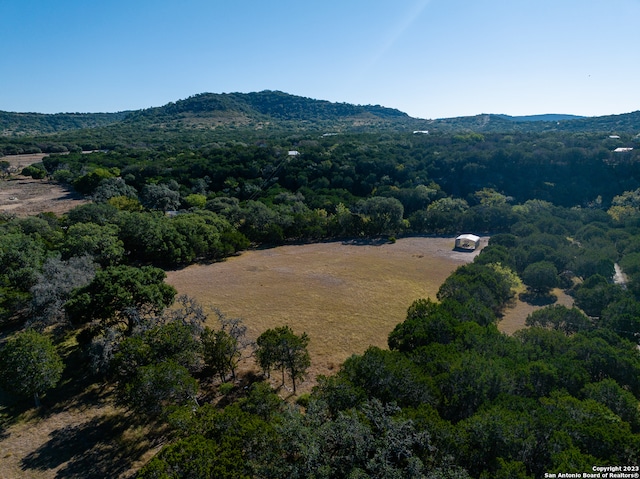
x=429 y=58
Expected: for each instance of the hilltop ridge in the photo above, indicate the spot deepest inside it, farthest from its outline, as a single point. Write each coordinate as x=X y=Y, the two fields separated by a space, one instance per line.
x=279 y=110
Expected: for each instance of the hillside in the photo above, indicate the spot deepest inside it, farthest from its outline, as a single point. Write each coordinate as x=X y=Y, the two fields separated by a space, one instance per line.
x=547 y=117
x=279 y=111
x=266 y=105
x=266 y=109
x=253 y=111
x=489 y=123
x=29 y=124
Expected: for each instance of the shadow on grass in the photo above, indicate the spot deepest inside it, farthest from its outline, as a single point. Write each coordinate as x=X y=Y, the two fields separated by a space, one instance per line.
x=373 y=241
x=538 y=299
x=241 y=389
x=15 y=409
x=97 y=448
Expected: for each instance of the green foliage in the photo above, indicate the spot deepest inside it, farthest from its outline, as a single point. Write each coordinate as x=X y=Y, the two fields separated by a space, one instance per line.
x=247 y=440
x=390 y=377
x=623 y=317
x=4 y=167
x=98 y=213
x=183 y=239
x=39 y=123
x=121 y=295
x=507 y=273
x=29 y=364
x=426 y=323
x=36 y=171
x=21 y=256
x=88 y=183
x=195 y=201
x=280 y=348
x=443 y=215
x=485 y=284
x=195 y=457
x=366 y=442
x=125 y=203
x=625 y=206
x=595 y=294
x=559 y=318
x=541 y=276
x=220 y=352
x=262 y=401
x=338 y=393
x=101 y=242
x=157 y=386
x=160 y=197
x=380 y=215
x=109 y=188
x=226 y=388
x=171 y=341
x=609 y=393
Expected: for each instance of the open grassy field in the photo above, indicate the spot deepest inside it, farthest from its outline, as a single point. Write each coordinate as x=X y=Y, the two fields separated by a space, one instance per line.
x=345 y=296
x=23 y=196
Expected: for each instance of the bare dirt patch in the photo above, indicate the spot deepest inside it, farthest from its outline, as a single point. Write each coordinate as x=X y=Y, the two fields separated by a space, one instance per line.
x=24 y=196
x=345 y=296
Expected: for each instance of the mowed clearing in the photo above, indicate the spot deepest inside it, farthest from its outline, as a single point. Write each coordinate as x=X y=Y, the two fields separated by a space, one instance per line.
x=345 y=296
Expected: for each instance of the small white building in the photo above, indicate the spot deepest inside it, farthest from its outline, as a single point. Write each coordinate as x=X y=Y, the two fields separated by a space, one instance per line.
x=467 y=242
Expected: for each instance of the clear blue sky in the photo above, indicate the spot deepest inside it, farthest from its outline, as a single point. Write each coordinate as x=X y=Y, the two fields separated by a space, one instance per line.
x=429 y=58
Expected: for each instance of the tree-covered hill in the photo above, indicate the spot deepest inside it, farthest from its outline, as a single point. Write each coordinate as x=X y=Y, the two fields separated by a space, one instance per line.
x=258 y=110
x=488 y=123
x=276 y=111
x=547 y=117
x=273 y=108
x=29 y=124
x=269 y=105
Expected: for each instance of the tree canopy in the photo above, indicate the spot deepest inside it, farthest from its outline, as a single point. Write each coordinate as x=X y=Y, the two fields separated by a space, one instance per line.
x=30 y=364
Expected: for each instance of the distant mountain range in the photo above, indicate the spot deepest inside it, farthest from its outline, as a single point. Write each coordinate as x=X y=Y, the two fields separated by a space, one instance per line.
x=278 y=110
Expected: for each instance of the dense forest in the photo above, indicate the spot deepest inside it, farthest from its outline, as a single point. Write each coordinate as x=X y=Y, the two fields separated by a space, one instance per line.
x=451 y=397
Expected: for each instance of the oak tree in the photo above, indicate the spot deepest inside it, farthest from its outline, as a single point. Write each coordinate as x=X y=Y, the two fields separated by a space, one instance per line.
x=30 y=364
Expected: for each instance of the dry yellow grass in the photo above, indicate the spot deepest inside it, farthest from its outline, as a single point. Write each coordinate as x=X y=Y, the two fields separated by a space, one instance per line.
x=516 y=314
x=346 y=297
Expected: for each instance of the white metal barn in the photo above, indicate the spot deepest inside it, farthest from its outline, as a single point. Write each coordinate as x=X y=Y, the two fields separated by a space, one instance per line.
x=468 y=242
